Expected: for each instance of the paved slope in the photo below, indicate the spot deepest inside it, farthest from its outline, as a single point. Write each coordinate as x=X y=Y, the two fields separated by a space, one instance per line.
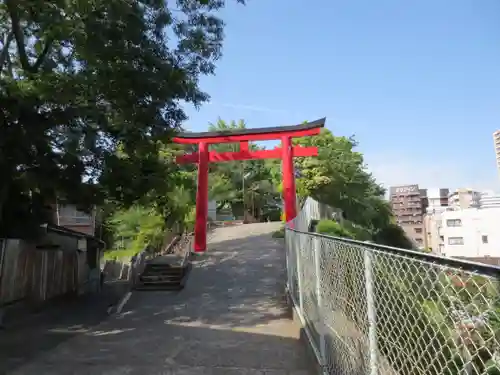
x=230 y=319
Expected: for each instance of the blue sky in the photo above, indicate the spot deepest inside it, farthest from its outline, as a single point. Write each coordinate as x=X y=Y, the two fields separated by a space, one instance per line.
x=417 y=82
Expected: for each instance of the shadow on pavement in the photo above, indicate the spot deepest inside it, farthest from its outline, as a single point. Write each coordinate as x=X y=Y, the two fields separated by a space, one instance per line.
x=231 y=318
x=162 y=348
x=33 y=334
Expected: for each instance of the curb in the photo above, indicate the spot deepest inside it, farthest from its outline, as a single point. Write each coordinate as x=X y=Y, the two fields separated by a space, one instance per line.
x=117 y=308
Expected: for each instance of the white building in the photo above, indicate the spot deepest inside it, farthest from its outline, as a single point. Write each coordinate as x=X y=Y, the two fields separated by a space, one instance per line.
x=489 y=199
x=471 y=233
x=432 y=225
x=437 y=202
x=437 y=199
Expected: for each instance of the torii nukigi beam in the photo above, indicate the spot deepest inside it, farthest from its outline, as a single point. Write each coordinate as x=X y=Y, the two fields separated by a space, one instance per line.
x=242 y=136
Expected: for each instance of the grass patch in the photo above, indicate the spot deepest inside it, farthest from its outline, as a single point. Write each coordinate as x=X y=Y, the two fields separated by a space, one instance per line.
x=279 y=233
x=333 y=228
x=119 y=254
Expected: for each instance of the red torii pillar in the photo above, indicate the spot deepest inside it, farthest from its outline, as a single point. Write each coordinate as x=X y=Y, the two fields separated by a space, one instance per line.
x=286 y=153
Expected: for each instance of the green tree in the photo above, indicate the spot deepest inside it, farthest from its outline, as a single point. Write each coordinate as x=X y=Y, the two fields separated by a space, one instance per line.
x=338 y=177
x=135 y=228
x=81 y=80
x=226 y=179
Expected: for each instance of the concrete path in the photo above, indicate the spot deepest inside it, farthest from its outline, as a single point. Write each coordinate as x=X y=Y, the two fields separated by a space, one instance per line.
x=230 y=319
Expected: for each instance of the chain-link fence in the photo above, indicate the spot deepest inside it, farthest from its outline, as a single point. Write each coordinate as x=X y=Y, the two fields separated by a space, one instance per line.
x=376 y=310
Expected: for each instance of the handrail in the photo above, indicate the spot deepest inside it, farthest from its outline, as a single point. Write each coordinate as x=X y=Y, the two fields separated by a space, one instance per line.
x=311 y=208
x=187 y=252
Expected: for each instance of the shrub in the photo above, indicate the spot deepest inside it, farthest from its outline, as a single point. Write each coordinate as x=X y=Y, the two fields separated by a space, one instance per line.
x=359 y=233
x=393 y=235
x=333 y=228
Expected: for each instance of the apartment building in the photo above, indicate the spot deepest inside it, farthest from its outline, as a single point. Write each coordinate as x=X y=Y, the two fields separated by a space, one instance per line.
x=489 y=199
x=469 y=212
x=408 y=204
x=464 y=198
x=437 y=199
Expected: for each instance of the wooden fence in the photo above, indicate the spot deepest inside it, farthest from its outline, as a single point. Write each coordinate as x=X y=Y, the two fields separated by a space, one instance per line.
x=37 y=275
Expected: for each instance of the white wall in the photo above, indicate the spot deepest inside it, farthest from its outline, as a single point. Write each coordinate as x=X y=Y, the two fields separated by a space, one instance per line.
x=478 y=231
x=432 y=225
x=212 y=210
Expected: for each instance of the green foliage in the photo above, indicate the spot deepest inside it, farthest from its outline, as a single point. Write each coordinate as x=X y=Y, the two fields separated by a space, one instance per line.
x=338 y=177
x=190 y=219
x=119 y=254
x=393 y=235
x=271 y=213
x=359 y=233
x=346 y=229
x=226 y=179
x=333 y=228
x=135 y=228
x=92 y=89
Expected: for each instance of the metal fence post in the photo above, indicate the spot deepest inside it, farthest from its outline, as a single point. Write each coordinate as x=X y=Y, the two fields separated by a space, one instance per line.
x=297 y=245
x=371 y=312
x=319 y=296
x=289 y=282
x=3 y=249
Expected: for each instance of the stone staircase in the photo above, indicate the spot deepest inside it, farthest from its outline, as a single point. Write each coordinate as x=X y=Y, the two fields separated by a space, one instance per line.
x=166 y=272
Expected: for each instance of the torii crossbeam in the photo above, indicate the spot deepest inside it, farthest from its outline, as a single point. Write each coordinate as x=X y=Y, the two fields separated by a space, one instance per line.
x=242 y=136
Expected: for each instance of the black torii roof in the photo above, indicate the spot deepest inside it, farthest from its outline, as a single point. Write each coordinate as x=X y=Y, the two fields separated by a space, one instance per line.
x=254 y=131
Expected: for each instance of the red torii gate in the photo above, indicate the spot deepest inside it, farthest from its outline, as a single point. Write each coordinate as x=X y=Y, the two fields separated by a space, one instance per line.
x=242 y=136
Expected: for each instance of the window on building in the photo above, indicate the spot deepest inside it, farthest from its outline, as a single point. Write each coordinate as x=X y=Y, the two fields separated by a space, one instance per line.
x=453 y=223
x=418 y=230
x=65 y=210
x=484 y=238
x=455 y=240
x=72 y=211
